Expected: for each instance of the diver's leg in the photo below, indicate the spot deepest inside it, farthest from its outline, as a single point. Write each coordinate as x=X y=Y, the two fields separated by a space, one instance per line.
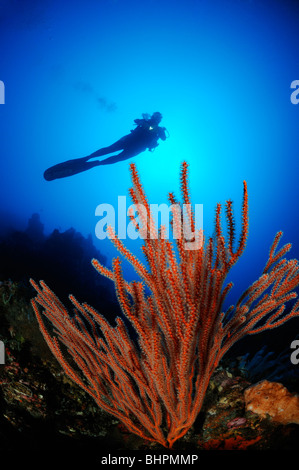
x=125 y=155
x=119 y=145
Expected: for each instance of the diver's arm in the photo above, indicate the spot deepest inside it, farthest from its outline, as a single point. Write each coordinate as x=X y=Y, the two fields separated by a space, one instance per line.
x=162 y=133
x=143 y=123
x=138 y=121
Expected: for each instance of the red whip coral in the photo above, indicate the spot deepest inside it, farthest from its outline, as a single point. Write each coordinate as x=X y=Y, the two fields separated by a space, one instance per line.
x=156 y=386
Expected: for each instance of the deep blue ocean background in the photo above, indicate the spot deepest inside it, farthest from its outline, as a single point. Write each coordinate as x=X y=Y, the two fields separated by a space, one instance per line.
x=77 y=74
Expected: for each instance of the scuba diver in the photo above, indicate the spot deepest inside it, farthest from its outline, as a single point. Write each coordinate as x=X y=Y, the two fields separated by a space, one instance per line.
x=145 y=136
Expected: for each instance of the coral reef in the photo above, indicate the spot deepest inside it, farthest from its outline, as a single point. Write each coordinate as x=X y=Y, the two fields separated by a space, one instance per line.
x=41 y=409
x=156 y=386
x=59 y=258
x=271 y=365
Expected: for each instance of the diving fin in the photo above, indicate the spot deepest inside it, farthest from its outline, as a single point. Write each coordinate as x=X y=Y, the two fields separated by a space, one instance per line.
x=69 y=168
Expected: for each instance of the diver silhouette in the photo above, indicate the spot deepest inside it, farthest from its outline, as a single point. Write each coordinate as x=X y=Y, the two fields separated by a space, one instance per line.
x=145 y=136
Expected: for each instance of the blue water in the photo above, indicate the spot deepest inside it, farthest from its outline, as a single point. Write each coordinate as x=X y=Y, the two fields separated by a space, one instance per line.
x=77 y=74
